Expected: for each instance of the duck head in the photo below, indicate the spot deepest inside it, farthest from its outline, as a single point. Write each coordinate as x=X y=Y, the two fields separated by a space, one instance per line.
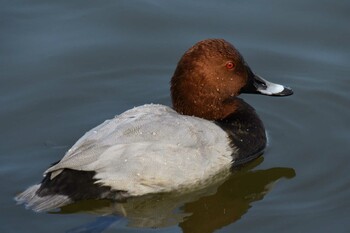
x=209 y=77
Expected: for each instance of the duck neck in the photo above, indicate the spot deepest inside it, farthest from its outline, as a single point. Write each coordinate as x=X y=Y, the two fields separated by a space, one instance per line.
x=207 y=106
x=246 y=131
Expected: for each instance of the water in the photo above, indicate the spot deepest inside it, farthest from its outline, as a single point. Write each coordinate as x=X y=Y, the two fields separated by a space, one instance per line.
x=68 y=66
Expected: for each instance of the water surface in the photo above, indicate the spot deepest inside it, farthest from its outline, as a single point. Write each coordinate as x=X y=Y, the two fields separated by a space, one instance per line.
x=67 y=66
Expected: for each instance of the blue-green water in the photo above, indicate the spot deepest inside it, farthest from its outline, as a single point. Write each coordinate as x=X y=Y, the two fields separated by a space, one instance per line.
x=67 y=66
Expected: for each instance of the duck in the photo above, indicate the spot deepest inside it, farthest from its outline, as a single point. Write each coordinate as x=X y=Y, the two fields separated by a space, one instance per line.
x=155 y=148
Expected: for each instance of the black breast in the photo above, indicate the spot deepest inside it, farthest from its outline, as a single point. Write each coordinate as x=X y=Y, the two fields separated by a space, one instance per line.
x=246 y=131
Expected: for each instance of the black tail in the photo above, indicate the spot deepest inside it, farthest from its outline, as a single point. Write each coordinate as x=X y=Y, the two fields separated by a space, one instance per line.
x=67 y=187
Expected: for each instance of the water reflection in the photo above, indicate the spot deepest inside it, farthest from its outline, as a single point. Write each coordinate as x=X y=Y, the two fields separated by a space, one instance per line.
x=204 y=210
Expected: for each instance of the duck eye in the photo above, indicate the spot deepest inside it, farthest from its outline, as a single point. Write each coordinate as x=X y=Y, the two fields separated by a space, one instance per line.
x=230 y=65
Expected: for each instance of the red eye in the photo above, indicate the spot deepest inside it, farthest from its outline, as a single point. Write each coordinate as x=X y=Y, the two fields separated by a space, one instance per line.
x=230 y=65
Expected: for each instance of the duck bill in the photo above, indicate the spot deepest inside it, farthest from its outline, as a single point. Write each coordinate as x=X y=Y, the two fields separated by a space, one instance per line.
x=265 y=87
x=258 y=85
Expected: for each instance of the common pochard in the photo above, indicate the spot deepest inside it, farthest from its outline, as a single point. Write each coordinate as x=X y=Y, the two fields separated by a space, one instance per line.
x=155 y=148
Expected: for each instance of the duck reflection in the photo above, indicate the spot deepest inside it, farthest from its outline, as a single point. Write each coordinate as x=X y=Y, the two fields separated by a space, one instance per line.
x=203 y=210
